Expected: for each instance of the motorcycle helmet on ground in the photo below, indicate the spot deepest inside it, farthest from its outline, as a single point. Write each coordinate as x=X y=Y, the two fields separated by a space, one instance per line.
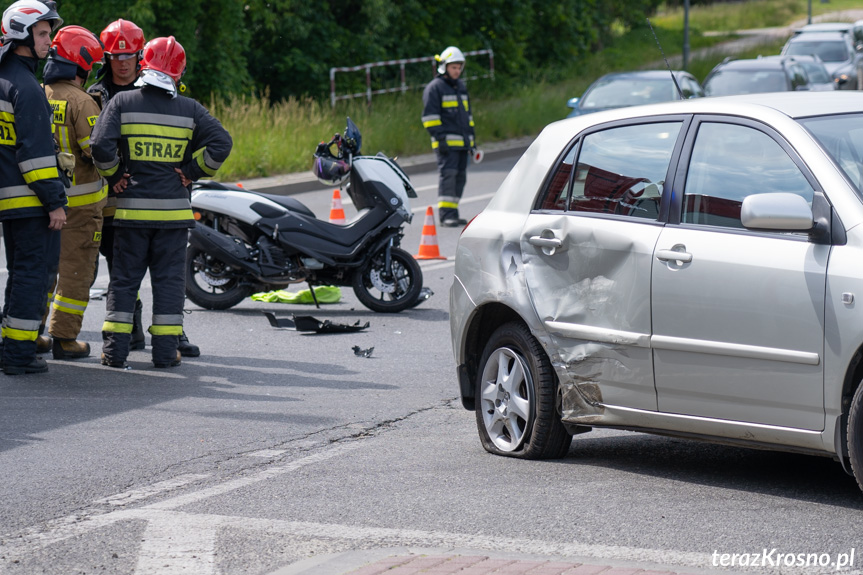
x=77 y=45
x=163 y=64
x=122 y=37
x=450 y=55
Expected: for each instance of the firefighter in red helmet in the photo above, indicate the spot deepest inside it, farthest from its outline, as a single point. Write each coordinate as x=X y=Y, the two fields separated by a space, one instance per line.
x=73 y=53
x=151 y=144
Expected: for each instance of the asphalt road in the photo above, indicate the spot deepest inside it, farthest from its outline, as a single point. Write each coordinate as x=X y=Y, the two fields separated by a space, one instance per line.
x=277 y=449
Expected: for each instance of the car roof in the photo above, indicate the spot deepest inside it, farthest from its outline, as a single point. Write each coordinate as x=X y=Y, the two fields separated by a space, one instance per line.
x=825 y=27
x=768 y=63
x=819 y=37
x=643 y=74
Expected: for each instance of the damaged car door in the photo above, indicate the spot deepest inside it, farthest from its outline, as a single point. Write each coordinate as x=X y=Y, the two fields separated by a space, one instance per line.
x=587 y=248
x=738 y=314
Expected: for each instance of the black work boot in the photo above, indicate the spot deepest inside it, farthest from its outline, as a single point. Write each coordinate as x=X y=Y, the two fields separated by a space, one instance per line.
x=187 y=348
x=38 y=365
x=112 y=362
x=70 y=349
x=173 y=363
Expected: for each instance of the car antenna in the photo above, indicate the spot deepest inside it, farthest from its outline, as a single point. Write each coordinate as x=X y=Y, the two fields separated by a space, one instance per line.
x=673 y=79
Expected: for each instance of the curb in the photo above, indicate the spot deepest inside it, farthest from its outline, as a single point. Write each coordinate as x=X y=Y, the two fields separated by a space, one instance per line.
x=297 y=183
x=414 y=560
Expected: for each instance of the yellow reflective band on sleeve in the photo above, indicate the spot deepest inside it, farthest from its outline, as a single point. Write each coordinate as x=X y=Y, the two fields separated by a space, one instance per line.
x=153 y=215
x=20 y=334
x=432 y=123
x=466 y=105
x=109 y=171
x=68 y=305
x=92 y=120
x=201 y=161
x=59 y=109
x=453 y=205
x=157 y=149
x=446 y=104
x=7 y=131
x=153 y=130
x=166 y=330
x=435 y=144
x=42 y=174
x=84 y=143
x=87 y=199
x=117 y=327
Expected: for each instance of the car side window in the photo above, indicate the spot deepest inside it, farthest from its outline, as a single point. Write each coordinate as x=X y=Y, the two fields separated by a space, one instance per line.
x=622 y=170
x=557 y=190
x=730 y=162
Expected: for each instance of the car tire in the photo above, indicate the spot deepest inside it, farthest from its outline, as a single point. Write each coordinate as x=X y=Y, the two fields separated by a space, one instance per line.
x=855 y=435
x=517 y=398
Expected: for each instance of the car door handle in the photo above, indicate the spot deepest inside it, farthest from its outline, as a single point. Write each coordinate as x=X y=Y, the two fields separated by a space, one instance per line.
x=542 y=242
x=673 y=256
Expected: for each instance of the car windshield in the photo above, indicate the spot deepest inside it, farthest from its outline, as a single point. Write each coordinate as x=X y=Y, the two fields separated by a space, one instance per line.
x=841 y=137
x=827 y=51
x=816 y=72
x=617 y=93
x=730 y=82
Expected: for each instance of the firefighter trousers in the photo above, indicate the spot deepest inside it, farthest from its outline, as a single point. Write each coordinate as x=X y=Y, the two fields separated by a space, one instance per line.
x=163 y=253
x=79 y=254
x=452 y=166
x=32 y=252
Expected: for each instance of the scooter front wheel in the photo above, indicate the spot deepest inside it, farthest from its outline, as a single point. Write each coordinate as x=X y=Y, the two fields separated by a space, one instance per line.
x=209 y=282
x=389 y=290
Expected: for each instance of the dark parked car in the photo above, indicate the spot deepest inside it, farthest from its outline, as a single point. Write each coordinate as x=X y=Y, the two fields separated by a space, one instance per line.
x=836 y=50
x=820 y=79
x=755 y=76
x=622 y=89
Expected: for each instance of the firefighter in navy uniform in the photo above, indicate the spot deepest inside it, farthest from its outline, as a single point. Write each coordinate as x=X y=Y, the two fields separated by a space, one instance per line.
x=448 y=119
x=32 y=196
x=151 y=144
x=73 y=53
x=123 y=42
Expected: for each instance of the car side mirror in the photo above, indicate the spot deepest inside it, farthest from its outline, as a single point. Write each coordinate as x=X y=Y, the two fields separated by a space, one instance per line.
x=573 y=102
x=776 y=211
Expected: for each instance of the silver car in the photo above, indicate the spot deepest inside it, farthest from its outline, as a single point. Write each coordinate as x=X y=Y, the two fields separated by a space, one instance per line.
x=689 y=269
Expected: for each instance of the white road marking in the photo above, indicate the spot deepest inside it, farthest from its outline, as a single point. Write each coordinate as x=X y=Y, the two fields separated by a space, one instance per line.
x=135 y=495
x=170 y=546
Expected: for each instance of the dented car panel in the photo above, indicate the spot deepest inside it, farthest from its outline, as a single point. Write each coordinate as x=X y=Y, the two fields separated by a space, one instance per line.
x=656 y=308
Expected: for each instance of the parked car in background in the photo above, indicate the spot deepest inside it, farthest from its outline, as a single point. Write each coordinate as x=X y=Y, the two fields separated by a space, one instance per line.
x=836 y=50
x=755 y=76
x=819 y=78
x=688 y=269
x=622 y=89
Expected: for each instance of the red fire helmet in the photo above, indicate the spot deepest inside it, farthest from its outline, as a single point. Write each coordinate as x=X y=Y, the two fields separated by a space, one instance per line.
x=122 y=37
x=165 y=55
x=78 y=45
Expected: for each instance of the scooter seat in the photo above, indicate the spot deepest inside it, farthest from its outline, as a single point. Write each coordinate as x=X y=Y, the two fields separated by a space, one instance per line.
x=288 y=202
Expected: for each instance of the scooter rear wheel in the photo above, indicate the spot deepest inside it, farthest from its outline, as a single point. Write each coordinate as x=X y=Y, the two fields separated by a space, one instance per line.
x=389 y=290
x=209 y=283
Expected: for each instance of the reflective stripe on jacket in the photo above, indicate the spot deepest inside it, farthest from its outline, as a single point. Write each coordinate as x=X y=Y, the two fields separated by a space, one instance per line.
x=28 y=164
x=446 y=113
x=75 y=114
x=148 y=134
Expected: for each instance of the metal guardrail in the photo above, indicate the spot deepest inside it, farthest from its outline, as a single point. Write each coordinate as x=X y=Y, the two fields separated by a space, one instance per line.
x=403 y=87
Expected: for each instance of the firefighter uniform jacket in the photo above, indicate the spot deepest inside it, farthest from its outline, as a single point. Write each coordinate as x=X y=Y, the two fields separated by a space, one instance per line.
x=75 y=114
x=446 y=113
x=147 y=134
x=29 y=181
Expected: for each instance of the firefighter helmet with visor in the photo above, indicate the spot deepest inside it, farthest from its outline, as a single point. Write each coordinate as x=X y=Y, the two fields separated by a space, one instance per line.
x=77 y=45
x=163 y=64
x=19 y=18
x=450 y=55
x=122 y=37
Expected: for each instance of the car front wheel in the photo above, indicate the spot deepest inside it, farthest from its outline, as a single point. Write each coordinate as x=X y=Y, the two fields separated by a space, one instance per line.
x=516 y=398
x=855 y=435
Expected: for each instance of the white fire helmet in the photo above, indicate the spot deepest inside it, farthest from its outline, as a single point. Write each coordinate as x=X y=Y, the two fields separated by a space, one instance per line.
x=450 y=55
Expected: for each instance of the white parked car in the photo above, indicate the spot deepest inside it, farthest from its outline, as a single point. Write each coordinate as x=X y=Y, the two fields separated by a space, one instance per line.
x=691 y=269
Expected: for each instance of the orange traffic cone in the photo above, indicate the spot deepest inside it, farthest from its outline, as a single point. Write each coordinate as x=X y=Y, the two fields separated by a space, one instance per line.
x=337 y=212
x=428 y=242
